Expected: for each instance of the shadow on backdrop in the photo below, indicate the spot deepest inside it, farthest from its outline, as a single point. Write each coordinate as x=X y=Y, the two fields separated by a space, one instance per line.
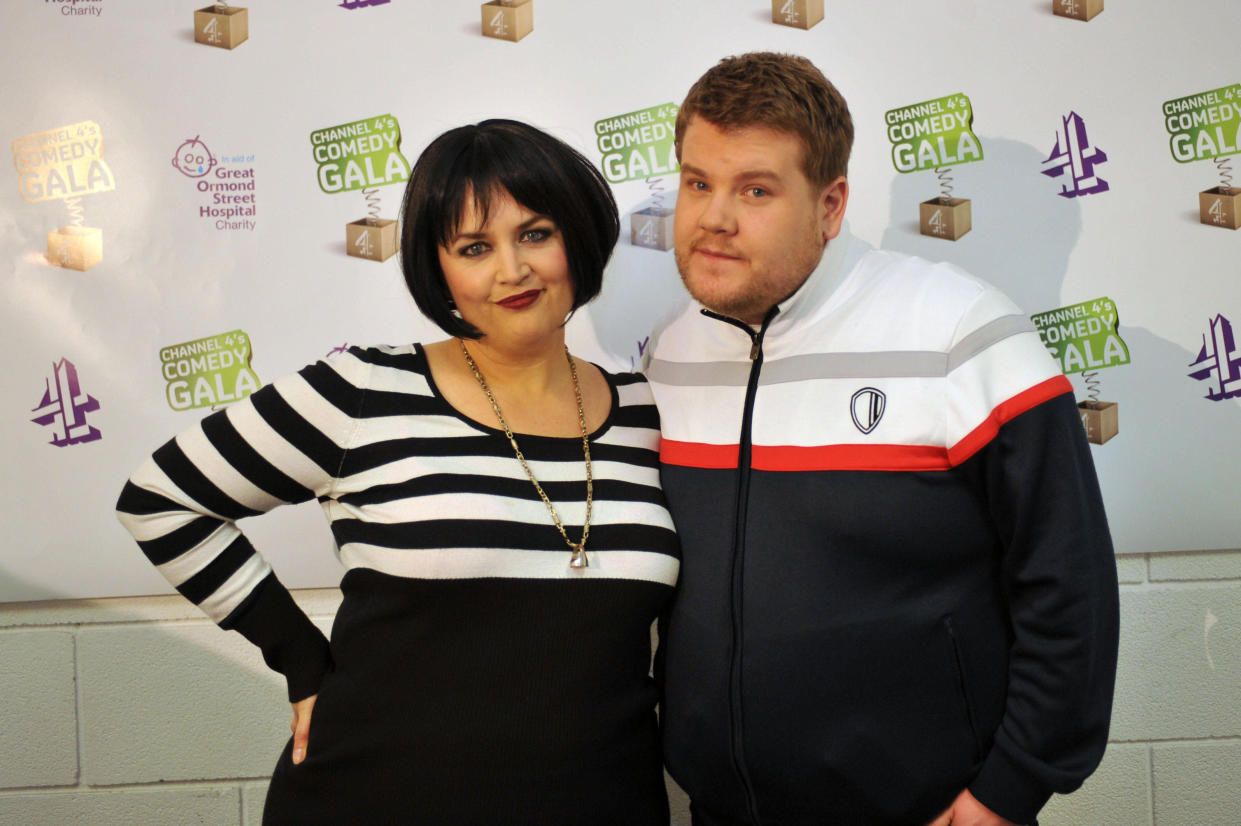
x=1166 y=481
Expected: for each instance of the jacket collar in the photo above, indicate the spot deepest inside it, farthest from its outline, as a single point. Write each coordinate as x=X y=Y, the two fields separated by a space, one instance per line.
x=821 y=286
x=817 y=291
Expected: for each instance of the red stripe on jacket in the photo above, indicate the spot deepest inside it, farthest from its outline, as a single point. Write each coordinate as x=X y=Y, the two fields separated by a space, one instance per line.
x=863 y=457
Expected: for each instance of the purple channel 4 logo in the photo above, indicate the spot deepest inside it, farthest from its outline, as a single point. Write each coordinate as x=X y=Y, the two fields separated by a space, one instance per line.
x=64 y=407
x=1075 y=159
x=1219 y=361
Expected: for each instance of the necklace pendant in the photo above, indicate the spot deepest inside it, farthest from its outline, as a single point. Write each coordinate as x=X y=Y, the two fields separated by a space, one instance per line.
x=579 y=560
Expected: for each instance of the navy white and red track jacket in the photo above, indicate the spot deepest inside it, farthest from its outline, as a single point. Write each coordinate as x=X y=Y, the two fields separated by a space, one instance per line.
x=897 y=579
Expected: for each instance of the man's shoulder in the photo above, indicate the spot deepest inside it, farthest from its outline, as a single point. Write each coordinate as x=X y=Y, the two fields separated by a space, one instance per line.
x=915 y=302
x=682 y=322
x=886 y=273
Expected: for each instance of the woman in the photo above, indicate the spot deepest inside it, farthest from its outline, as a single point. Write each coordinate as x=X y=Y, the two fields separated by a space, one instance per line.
x=495 y=502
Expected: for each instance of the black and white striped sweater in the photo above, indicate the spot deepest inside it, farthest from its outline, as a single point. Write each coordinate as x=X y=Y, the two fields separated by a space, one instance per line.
x=452 y=558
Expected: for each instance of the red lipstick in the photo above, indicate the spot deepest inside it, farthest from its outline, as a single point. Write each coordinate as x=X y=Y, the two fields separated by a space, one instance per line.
x=521 y=300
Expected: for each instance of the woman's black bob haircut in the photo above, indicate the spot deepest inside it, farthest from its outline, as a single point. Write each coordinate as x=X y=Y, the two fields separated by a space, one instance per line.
x=486 y=160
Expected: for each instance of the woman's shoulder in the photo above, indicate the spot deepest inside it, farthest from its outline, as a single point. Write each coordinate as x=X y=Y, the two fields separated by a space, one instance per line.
x=399 y=367
x=398 y=356
x=635 y=405
x=401 y=357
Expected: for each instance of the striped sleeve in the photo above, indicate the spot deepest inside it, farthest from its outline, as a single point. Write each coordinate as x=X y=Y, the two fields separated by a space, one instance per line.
x=997 y=369
x=283 y=444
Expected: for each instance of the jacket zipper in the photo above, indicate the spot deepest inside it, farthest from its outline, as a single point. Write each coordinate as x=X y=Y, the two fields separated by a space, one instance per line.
x=736 y=581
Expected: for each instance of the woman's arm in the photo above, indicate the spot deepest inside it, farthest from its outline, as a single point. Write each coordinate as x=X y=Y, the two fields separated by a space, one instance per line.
x=283 y=444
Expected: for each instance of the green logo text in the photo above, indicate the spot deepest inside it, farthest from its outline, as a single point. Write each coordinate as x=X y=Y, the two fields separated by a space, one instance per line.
x=639 y=144
x=359 y=155
x=933 y=133
x=1084 y=336
x=208 y=371
x=1205 y=125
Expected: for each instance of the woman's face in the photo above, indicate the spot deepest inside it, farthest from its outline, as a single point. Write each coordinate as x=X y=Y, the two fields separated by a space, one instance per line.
x=509 y=277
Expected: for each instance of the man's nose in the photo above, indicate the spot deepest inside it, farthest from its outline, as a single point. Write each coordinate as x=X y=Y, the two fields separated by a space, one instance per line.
x=719 y=214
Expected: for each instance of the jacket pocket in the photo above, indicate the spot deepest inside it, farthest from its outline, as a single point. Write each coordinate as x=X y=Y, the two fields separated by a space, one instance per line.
x=958 y=669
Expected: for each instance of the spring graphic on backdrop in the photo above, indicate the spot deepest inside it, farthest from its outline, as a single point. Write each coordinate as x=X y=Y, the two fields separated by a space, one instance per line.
x=945 y=184
x=1093 y=385
x=656 y=187
x=1224 y=165
x=77 y=218
x=372 y=205
x=77 y=214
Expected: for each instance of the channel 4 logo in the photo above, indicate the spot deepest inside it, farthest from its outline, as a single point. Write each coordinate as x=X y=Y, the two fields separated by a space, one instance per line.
x=64 y=406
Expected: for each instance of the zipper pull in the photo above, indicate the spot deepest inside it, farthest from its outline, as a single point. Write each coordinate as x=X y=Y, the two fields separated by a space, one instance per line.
x=754 y=349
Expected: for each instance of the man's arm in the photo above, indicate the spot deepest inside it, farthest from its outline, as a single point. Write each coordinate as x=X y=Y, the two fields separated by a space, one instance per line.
x=1059 y=578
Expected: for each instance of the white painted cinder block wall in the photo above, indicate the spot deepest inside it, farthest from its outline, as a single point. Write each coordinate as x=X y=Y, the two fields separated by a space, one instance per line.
x=129 y=712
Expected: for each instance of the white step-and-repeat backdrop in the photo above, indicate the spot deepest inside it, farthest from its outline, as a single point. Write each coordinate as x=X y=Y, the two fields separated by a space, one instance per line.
x=200 y=200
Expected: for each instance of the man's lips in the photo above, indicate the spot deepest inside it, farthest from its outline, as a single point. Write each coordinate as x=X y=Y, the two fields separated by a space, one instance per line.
x=716 y=255
x=521 y=300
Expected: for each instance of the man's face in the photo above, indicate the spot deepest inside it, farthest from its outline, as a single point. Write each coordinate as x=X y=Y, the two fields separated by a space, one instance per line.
x=749 y=227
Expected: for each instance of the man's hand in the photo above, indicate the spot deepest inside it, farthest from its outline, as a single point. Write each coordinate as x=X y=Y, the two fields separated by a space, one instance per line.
x=967 y=811
x=301 y=727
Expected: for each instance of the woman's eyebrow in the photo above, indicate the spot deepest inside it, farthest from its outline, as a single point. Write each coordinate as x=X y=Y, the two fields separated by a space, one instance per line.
x=526 y=224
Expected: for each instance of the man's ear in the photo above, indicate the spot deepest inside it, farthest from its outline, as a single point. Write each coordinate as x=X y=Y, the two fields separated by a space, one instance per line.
x=832 y=202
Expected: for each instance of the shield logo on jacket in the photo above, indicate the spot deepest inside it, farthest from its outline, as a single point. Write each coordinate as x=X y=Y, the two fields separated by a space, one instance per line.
x=866 y=407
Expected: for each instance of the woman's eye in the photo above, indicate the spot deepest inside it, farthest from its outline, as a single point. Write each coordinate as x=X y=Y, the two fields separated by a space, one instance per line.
x=536 y=235
x=473 y=250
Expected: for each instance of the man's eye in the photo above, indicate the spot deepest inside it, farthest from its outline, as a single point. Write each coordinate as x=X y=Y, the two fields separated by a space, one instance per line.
x=697 y=186
x=756 y=192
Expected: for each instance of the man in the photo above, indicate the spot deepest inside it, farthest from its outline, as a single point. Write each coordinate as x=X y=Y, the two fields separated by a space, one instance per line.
x=898 y=599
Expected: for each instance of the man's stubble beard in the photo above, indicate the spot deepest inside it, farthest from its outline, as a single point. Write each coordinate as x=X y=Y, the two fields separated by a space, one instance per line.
x=761 y=292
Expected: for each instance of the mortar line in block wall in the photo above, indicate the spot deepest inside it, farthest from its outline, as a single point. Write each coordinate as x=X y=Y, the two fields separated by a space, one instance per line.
x=220 y=784
x=1178 y=741
x=1150 y=774
x=74 y=624
x=20 y=791
x=200 y=783
x=77 y=709
x=1180 y=585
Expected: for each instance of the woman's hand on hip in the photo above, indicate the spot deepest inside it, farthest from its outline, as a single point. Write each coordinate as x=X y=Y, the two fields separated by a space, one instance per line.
x=301 y=726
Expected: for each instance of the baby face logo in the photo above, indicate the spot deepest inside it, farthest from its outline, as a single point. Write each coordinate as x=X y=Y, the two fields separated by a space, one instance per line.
x=193 y=159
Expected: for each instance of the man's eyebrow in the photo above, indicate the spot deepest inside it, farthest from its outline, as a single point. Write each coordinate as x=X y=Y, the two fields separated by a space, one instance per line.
x=760 y=172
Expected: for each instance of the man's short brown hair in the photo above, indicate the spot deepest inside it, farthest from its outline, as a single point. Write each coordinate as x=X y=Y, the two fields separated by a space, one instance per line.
x=778 y=91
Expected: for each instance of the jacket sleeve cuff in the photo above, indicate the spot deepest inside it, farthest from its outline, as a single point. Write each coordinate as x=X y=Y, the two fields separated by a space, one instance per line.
x=1006 y=789
x=290 y=642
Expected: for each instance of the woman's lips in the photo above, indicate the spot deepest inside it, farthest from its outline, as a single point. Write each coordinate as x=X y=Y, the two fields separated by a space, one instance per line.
x=521 y=300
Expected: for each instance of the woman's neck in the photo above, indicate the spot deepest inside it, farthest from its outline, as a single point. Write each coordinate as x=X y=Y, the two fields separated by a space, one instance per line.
x=533 y=370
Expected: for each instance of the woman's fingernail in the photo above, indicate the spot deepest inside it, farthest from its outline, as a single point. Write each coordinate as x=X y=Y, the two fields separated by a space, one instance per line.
x=299 y=755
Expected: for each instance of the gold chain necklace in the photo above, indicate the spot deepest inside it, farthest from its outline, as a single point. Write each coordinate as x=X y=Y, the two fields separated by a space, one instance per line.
x=578 y=559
